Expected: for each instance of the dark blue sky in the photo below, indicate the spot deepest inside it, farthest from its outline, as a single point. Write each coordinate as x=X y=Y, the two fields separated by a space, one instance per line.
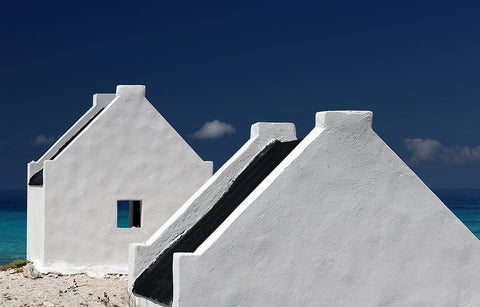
x=415 y=64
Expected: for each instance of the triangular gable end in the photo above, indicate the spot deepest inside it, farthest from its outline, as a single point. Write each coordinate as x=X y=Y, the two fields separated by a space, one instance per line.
x=119 y=107
x=127 y=154
x=341 y=221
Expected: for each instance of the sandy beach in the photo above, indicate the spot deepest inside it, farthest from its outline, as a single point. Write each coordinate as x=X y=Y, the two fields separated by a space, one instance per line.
x=62 y=290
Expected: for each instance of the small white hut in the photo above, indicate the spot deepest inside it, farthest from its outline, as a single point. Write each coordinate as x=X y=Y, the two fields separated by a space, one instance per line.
x=340 y=221
x=122 y=156
x=253 y=158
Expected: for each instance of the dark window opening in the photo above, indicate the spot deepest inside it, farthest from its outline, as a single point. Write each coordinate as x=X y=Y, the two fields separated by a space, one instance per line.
x=129 y=213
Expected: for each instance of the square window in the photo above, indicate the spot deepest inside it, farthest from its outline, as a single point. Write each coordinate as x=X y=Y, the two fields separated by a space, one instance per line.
x=129 y=213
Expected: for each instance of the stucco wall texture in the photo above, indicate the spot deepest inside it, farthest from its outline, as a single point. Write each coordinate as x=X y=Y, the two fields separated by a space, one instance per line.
x=141 y=255
x=128 y=152
x=342 y=221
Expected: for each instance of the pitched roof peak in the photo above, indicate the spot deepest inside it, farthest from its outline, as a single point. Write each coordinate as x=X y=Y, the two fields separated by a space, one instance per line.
x=131 y=90
x=344 y=119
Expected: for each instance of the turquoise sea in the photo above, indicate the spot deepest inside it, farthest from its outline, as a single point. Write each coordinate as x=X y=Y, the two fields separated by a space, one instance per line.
x=464 y=203
x=13 y=225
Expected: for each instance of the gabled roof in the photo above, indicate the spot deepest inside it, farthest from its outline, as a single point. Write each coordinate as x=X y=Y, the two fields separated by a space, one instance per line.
x=37 y=178
x=341 y=221
x=156 y=281
x=100 y=101
x=214 y=200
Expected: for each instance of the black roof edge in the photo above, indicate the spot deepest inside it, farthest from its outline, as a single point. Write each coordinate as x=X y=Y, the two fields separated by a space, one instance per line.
x=156 y=282
x=76 y=134
x=40 y=172
x=36 y=179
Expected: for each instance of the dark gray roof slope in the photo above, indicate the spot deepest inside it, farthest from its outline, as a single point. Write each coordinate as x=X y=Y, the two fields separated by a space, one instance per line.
x=156 y=282
x=37 y=178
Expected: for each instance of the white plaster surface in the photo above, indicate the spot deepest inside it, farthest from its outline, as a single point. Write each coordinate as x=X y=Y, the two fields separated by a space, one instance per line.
x=100 y=101
x=128 y=152
x=36 y=223
x=141 y=255
x=342 y=221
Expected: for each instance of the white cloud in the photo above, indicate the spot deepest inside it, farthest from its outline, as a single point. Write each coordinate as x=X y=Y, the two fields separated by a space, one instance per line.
x=432 y=150
x=213 y=129
x=423 y=150
x=43 y=140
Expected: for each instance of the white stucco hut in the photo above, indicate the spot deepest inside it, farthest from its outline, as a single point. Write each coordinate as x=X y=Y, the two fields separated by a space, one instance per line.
x=340 y=221
x=224 y=190
x=122 y=154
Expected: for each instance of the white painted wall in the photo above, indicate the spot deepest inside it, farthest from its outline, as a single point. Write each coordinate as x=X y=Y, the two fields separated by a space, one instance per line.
x=128 y=152
x=141 y=255
x=100 y=101
x=36 y=223
x=342 y=221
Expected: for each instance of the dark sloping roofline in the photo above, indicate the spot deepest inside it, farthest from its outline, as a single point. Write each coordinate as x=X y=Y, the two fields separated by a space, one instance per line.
x=156 y=282
x=37 y=178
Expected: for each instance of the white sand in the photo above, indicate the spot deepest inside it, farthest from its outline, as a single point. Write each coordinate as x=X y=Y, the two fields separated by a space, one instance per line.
x=55 y=290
